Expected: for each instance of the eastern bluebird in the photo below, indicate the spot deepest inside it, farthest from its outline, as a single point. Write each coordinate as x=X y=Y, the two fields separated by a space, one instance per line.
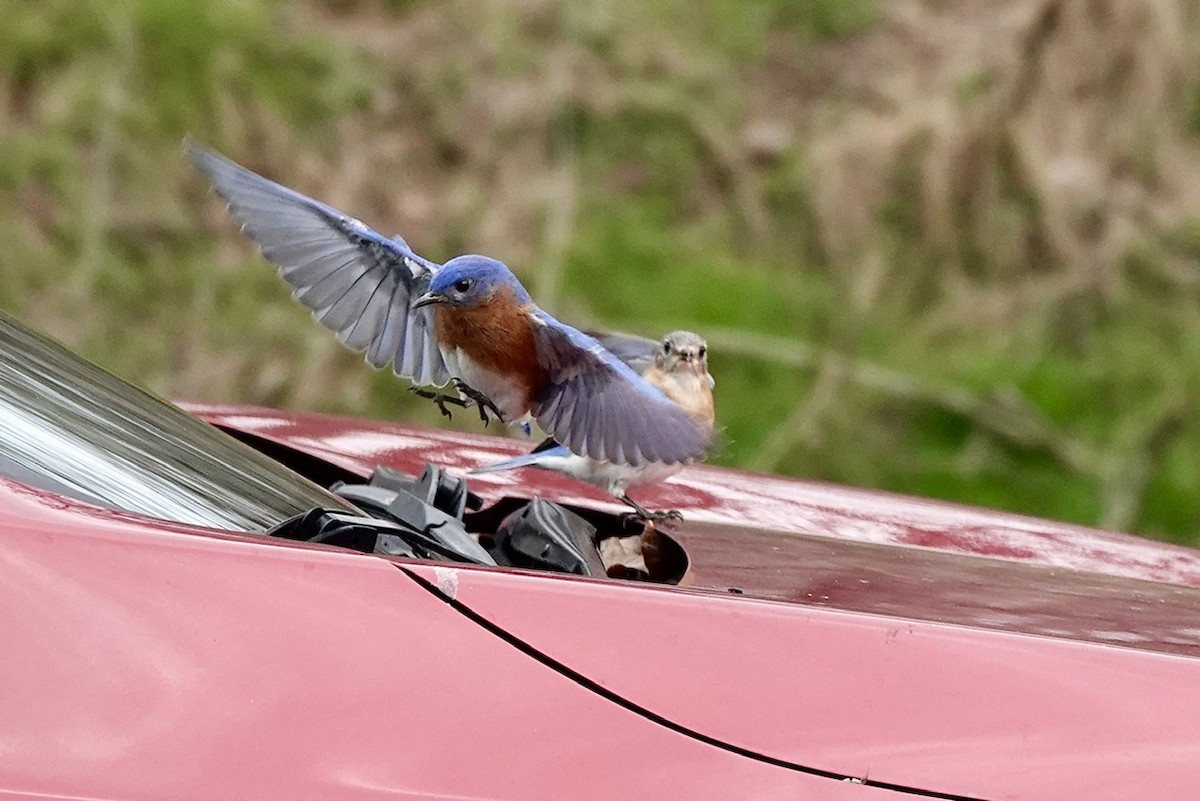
x=679 y=367
x=468 y=320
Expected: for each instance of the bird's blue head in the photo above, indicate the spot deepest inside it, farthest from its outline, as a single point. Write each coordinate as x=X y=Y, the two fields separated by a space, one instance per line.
x=470 y=281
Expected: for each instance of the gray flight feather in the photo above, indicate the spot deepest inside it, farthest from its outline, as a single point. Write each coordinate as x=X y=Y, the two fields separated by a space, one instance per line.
x=357 y=283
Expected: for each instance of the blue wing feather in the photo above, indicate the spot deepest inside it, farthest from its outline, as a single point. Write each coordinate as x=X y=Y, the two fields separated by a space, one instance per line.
x=357 y=283
x=597 y=406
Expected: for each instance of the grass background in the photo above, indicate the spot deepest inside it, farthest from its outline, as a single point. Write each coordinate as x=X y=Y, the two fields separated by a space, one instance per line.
x=950 y=249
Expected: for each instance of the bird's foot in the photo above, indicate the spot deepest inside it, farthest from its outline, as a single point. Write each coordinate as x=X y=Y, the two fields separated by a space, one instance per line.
x=642 y=513
x=482 y=402
x=441 y=399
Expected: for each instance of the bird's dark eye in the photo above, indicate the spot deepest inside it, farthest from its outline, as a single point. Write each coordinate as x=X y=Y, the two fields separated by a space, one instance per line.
x=703 y=351
x=667 y=347
x=463 y=285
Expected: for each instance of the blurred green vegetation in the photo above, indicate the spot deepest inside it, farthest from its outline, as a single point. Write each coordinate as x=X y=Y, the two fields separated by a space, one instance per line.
x=906 y=283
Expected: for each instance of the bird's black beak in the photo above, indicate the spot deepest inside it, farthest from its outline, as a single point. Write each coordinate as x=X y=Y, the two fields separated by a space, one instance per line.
x=428 y=299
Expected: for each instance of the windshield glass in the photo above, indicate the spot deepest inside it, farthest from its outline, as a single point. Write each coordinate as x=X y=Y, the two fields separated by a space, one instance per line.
x=71 y=427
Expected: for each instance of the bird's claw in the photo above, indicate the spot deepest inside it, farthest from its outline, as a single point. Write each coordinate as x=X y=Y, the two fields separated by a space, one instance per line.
x=482 y=402
x=440 y=399
x=644 y=514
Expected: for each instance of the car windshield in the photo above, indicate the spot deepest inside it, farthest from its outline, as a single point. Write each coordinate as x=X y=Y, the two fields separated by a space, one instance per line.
x=71 y=427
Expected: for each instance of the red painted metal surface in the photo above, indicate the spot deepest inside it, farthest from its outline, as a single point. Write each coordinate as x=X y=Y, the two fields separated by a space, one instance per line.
x=934 y=585
x=154 y=661
x=959 y=710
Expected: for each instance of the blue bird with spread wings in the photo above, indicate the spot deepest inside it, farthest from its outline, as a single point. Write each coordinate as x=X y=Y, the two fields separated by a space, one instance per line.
x=468 y=321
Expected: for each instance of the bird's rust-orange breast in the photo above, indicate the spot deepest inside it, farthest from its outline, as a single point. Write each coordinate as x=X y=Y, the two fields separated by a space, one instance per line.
x=496 y=336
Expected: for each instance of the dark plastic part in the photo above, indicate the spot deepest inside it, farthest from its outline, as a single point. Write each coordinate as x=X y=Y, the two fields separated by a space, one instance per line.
x=369 y=535
x=430 y=508
x=332 y=528
x=431 y=505
x=434 y=486
x=546 y=536
x=435 y=523
x=412 y=514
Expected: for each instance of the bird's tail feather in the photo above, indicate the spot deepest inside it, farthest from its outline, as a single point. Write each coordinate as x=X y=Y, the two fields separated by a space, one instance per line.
x=528 y=460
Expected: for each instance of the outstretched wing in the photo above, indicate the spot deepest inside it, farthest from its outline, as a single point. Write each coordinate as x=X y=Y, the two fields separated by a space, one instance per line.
x=356 y=282
x=598 y=406
x=637 y=352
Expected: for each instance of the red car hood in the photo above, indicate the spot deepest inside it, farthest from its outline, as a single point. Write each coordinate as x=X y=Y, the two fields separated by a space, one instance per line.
x=927 y=649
